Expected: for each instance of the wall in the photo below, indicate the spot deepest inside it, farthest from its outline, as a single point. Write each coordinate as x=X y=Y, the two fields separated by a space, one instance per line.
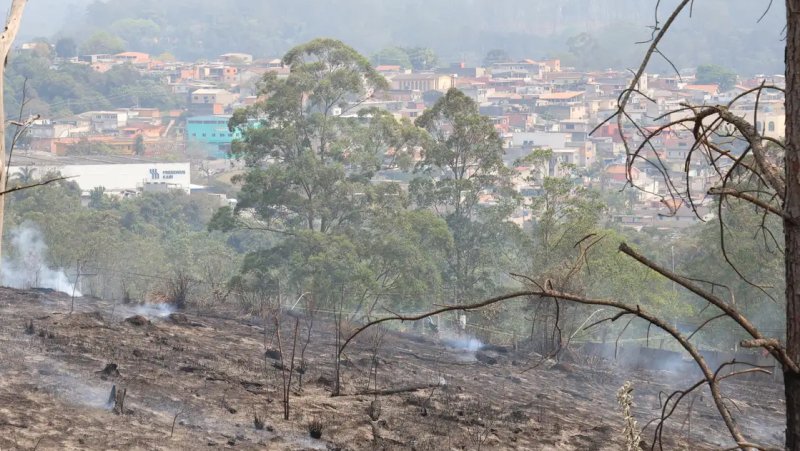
x=212 y=133
x=119 y=177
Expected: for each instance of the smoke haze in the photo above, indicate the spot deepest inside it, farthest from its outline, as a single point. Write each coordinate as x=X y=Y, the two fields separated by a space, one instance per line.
x=28 y=267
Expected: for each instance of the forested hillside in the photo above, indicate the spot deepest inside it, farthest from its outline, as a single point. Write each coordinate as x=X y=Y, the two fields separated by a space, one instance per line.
x=456 y=29
x=57 y=92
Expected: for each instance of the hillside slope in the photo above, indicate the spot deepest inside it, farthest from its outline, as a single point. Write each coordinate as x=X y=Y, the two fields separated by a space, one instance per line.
x=209 y=375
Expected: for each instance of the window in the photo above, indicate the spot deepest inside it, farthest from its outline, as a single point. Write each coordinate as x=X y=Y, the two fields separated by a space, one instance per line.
x=772 y=126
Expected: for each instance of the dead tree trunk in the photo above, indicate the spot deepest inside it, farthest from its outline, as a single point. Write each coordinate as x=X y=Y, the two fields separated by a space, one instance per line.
x=791 y=223
x=6 y=41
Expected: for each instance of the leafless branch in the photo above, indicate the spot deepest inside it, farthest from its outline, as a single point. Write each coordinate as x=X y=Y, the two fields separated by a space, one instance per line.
x=33 y=185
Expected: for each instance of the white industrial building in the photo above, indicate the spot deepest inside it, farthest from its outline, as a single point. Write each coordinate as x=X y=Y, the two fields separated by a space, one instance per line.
x=117 y=174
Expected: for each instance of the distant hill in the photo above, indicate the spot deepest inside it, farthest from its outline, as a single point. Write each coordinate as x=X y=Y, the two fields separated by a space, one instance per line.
x=44 y=18
x=724 y=32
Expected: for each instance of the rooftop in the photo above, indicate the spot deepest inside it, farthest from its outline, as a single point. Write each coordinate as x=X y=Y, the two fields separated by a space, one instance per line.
x=417 y=76
x=209 y=91
x=209 y=118
x=561 y=95
x=35 y=158
x=709 y=89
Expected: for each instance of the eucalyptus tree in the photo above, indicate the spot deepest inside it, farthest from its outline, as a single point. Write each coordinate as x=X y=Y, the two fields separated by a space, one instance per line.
x=312 y=146
x=300 y=142
x=462 y=165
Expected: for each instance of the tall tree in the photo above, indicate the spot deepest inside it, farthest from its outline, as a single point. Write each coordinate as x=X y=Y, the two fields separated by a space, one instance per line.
x=66 y=48
x=311 y=154
x=6 y=41
x=495 y=56
x=305 y=129
x=713 y=74
x=791 y=223
x=584 y=47
x=392 y=56
x=139 y=146
x=462 y=161
x=422 y=58
x=463 y=148
x=564 y=213
x=103 y=42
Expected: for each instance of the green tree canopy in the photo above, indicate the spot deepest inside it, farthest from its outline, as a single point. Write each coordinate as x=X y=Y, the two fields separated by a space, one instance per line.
x=422 y=58
x=138 y=34
x=462 y=162
x=713 y=74
x=103 y=42
x=310 y=162
x=302 y=129
x=395 y=56
x=495 y=56
x=66 y=48
x=75 y=88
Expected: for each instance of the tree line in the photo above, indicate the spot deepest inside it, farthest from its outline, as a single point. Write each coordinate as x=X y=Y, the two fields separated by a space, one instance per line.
x=66 y=89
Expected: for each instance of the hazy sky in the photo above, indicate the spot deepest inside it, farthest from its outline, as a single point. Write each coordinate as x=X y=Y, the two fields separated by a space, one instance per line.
x=720 y=31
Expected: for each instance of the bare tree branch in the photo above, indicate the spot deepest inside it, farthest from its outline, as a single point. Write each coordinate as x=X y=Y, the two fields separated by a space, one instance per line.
x=778 y=352
x=554 y=294
x=33 y=185
x=752 y=199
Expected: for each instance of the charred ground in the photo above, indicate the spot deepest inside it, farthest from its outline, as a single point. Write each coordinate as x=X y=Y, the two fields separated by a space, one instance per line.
x=208 y=375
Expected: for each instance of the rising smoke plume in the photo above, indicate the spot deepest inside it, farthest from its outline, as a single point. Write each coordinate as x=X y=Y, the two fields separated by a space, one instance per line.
x=28 y=268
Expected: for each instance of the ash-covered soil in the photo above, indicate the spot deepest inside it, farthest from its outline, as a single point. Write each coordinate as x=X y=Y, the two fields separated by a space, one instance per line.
x=208 y=376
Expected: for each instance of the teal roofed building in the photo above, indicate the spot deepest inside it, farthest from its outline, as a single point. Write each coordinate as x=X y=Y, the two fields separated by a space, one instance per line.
x=212 y=133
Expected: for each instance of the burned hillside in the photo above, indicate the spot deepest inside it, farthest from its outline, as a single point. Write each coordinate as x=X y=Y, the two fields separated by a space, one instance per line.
x=196 y=381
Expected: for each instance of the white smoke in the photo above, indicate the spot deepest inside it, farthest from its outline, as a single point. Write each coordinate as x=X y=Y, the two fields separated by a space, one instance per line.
x=28 y=268
x=155 y=311
x=466 y=343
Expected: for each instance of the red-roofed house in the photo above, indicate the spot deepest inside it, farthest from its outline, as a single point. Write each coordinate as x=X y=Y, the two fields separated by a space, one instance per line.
x=619 y=173
x=389 y=69
x=711 y=90
x=132 y=57
x=562 y=97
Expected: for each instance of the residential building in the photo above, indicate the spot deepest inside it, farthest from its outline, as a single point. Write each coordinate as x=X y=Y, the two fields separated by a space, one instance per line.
x=106 y=121
x=519 y=69
x=135 y=58
x=422 y=82
x=210 y=133
x=211 y=101
x=540 y=139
